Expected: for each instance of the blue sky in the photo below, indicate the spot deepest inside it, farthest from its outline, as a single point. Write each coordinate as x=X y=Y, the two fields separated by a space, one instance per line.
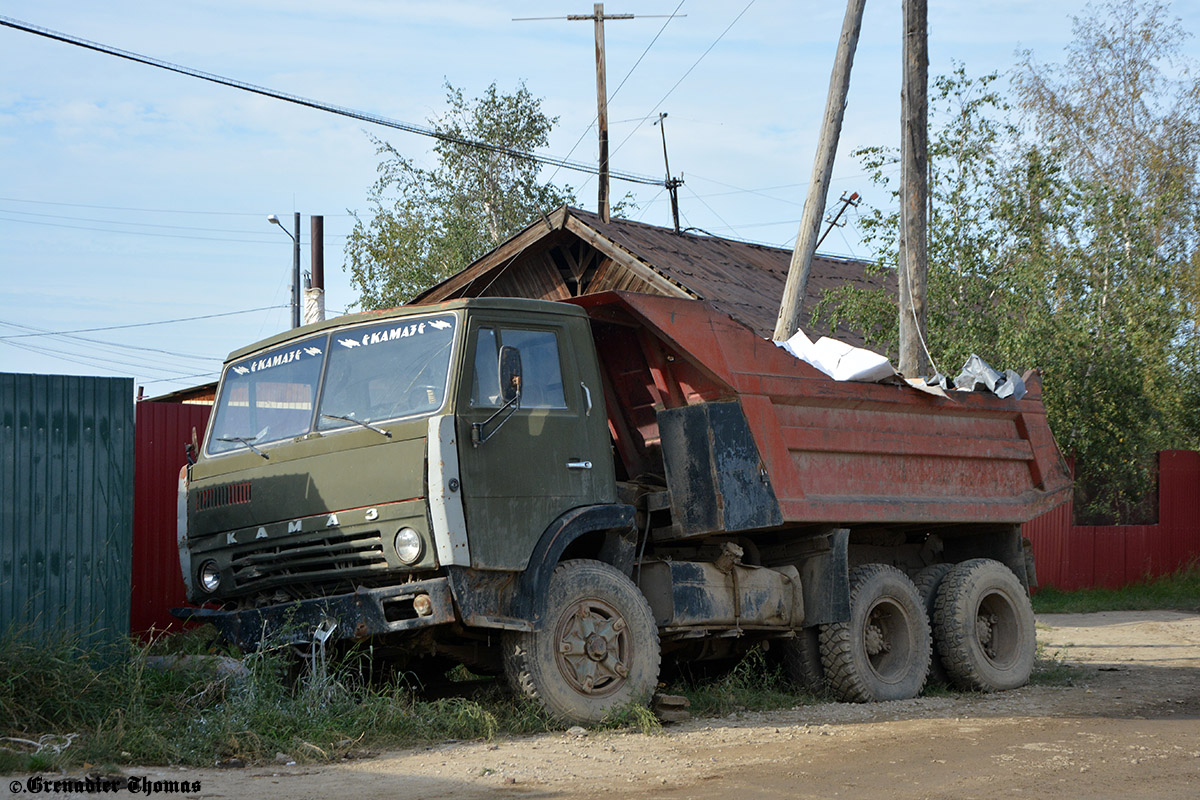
x=133 y=195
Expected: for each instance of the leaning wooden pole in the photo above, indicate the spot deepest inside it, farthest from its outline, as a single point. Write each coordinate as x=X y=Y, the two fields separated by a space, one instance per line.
x=914 y=189
x=818 y=187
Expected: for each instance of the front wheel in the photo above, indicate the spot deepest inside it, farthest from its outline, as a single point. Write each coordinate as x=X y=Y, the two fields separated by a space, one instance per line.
x=597 y=650
x=882 y=652
x=984 y=627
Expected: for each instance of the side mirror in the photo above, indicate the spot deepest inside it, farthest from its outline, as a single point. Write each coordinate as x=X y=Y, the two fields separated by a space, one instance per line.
x=509 y=365
x=510 y=374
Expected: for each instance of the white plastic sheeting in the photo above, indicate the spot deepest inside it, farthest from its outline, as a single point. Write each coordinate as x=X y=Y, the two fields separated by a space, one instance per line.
x=844 y=362
x=838 y=360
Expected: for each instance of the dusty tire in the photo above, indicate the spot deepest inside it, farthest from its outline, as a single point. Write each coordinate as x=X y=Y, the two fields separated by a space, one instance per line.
x=597 y=649
x=801 y=658
x=927 y=582
x=883 y=651
x=984 y=627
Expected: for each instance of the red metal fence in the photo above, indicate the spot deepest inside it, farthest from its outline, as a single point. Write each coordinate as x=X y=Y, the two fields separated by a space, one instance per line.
x=1073 y=556
x=162 y=431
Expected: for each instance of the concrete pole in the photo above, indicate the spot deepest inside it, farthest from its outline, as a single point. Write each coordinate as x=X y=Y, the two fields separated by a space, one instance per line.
x=791 y=306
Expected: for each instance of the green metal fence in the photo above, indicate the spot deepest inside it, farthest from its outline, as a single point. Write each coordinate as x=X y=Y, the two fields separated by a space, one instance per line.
x=66 y=504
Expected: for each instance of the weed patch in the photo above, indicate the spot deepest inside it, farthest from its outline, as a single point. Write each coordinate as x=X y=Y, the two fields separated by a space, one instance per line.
x=144 y=704
x=1179 y=591
x=754 y=684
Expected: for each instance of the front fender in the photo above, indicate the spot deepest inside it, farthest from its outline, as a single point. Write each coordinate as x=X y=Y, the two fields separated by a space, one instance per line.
x=535 y=580
x=516 y=600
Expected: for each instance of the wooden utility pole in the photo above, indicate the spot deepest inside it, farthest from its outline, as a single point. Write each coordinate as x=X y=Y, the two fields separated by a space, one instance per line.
x=601 y=100
x=914 y=162
x=818 y=187
x=598 y=17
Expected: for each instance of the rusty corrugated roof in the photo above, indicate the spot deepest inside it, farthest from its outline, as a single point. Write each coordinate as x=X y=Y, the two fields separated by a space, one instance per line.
x=742 y=279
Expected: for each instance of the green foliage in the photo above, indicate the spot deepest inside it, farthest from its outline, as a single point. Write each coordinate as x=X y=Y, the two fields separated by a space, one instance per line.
x=1068 y=240
x=1052 y=669
x=754 y=684
x=120 y=706
x=1179 y=591
x=427 y=224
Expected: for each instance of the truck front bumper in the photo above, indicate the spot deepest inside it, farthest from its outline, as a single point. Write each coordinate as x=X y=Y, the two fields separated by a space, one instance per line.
x=361 y=613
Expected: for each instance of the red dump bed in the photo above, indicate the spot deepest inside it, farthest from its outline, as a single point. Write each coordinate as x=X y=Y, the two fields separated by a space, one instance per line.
x=835 y=452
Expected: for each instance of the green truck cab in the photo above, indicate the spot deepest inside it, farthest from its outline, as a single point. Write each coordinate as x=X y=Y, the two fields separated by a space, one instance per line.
x=367 y=472
x=568 y=492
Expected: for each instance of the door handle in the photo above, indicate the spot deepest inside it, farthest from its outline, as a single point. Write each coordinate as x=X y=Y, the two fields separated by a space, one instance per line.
x=587 y=396
x=579 y=465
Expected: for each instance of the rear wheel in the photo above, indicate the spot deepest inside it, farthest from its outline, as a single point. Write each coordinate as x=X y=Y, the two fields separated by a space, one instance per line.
x=984 y=626
x=882 y=652
x=927 y=582
x=597 y=650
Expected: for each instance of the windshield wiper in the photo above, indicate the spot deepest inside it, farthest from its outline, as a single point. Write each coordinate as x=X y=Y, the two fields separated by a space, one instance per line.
x=246 y=442
x=366 y=425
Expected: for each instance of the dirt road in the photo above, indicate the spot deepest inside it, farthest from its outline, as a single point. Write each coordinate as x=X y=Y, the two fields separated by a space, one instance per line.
x=1129 y=728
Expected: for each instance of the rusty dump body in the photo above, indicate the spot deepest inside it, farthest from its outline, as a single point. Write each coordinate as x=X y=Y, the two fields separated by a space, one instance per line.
x=827 y=452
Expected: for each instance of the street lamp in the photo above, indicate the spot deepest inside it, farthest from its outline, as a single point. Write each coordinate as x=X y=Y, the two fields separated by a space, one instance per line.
x=274 y=220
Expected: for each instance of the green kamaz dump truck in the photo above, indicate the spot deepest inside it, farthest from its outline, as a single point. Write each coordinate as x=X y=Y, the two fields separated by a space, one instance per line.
x=574 y=492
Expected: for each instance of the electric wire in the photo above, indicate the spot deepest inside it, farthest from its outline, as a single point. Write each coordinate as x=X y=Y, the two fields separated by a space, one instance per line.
x=182 y=378
x=273 y=237
x=103 y=343
x=91 y=360
x=681 y=79
x=596 y=118
x=363 y=116
x=147 y=210
x=136 y=233
x=144 y=324
x=124 y=359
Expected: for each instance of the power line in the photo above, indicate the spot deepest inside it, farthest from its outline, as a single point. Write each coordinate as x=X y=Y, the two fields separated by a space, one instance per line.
x=147 y=210
x=273 y=237
x=123 y=208
x=135 y=233
x=689 y=72
x=100 y=342
x=141 y=324
x=182 y=378
x=93 y=360
x=308 y=103
x=596 y=118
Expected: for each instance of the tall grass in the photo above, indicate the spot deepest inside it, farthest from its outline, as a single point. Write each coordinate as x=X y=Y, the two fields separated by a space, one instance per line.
x=122 y=710
x=755 y=683
x=1179 y=591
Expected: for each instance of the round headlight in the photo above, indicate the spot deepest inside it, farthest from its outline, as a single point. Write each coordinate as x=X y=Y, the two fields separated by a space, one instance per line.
x=210 y=576
x=409 y=546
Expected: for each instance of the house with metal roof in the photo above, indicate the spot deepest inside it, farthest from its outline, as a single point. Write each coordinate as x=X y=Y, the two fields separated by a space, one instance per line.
x=571 y=252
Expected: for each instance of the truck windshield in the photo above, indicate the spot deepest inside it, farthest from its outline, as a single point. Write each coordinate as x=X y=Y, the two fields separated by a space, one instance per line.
x=269 y=396
x=388 y=371
x=371 y=374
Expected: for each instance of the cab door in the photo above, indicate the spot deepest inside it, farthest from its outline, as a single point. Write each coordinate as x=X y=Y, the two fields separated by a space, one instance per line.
x=551 y=455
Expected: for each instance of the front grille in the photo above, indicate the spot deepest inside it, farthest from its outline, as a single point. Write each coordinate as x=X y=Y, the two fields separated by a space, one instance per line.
x=332 y=556
x=229 y=494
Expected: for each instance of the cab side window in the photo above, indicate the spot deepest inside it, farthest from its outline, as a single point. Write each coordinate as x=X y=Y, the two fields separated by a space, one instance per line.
x=541 y=367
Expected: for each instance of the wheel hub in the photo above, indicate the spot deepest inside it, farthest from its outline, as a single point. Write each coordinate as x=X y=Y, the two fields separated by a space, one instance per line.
x=985 y=629
x=875 y=640
x=594 y=647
